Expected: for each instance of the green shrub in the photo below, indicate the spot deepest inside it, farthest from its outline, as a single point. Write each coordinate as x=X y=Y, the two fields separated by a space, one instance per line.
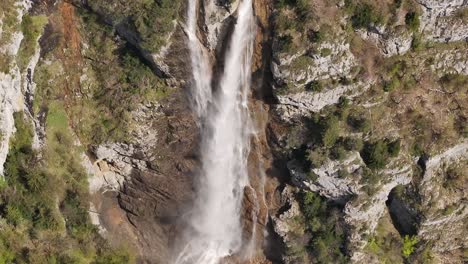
x=353 y=144
x=394 y=148
x=285 y=43
x=330 y=131
x=416 y=43
x=338 y=152
x=314 y=86
x=391 y=85
x=409 y=243
x=359 y=122
x=312 y=176
x=316 y=36
x=412 y=21
x=363 y=15
x=322 y=221
x=317 y=158
x=375 y=154
x=32 y=27
x=33 y=203
x=343 y=173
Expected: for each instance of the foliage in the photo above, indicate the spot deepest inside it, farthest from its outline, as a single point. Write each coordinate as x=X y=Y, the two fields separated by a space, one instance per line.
x=394 y=148
x=391 y=85
x=454 y=83
x=416 y=43
x=44 y=203
x=385 y=243
x=412 y=21
x=375 y=154
x=9 y=25
x=316 y=36
x=409 y=243
x=359 y=121
x=314 y=86
x=330 y=131
x=285 y=43
x=352 y=143
x=363 y=14
x=322 y=221
x=317 y=158
x=152 y=20
x=32 y=27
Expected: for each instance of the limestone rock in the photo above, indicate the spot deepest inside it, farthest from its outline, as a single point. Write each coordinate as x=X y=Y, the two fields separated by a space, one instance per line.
x=439 y=21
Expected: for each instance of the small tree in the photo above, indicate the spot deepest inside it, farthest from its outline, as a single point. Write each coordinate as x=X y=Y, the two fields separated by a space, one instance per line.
x=375 y=154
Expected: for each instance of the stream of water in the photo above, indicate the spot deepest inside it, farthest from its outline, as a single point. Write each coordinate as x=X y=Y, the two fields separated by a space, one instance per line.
x=215 y=230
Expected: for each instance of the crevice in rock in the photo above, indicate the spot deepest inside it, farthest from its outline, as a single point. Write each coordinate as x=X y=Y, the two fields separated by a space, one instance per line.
x=404 y=218
x=274 y=247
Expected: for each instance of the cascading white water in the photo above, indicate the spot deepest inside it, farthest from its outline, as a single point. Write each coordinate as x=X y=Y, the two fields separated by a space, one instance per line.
x=201 y=71
x=216 y=229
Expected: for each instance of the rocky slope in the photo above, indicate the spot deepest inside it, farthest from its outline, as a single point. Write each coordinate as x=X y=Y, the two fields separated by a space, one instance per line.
x=359 y=154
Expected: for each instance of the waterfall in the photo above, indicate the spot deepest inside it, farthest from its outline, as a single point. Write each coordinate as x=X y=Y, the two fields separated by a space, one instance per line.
x=201 y=71
x=215 y=227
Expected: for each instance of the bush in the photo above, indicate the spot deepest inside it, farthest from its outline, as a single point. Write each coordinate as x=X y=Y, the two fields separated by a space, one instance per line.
x=359 y=122
x=353 y=144
x=330 y=131
x=315 y=36
x=452 y=83
x=285 y=43
x=409 y=243
x=416 y=43
x=363 y=15
x=391 y=85
x=317 y=158
x=338 y=152
x=322 y=221
x=32 y=202
x=375 y=154
x=394 y=148
x=412 y=21
x=314 y=86
x=32 y=27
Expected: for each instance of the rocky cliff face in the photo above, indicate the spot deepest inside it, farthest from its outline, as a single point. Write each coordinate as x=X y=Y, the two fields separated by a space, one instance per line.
x=359 y=110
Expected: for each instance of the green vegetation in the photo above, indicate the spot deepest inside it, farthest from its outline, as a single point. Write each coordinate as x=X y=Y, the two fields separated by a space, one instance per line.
x=10 y=24
x=153 y=20
x=316 y=36
x=285 y=43
x=330 y=131
x=391 y=85
x=376 y=154
x=409 y=243
x=314 y=86
x=412 y=21
x=116 y=81
x=301 y=7
x=44 y=203
x=32 y=27
x=323 y=222
x=363 y=15
x=385 y=243
x=359 y=122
